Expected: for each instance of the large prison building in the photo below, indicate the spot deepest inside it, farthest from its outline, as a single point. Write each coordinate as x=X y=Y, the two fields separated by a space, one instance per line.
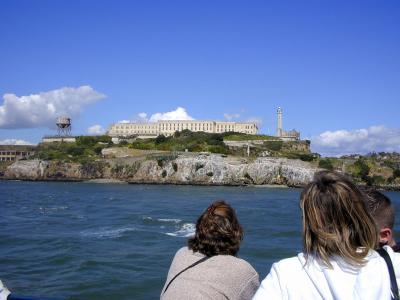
x=167 y=128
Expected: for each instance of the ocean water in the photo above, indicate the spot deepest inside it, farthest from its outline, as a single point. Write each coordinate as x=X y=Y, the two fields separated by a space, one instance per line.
x=109 y=241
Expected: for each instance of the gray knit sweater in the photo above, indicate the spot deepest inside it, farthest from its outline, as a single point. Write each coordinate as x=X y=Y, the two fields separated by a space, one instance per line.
x=219 y=277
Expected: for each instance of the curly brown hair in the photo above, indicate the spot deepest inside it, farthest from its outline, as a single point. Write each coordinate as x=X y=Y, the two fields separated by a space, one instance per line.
x=217 y=231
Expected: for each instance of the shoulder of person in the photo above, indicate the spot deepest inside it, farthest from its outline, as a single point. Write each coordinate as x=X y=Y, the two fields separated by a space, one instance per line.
x=183 y=250
x=291 y=263
x=282 y=272
x=186 y=251
x=239 y=263
x=394 y=256
x=288 y=267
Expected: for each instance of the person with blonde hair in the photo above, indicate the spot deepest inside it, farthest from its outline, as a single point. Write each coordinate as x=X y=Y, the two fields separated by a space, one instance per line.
x=209 y=267
x=338 y=260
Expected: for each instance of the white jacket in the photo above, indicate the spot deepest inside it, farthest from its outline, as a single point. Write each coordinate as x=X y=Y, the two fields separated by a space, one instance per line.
x=292 y=278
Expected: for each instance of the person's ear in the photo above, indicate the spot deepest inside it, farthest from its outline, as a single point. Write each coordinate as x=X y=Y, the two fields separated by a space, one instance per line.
x=386 y=236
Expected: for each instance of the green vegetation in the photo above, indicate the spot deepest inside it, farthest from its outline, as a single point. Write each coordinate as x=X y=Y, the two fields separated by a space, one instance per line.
x=85 y=149
x=186 y=139
x=360 y=170
x=299 y=155
x=325 y=163
x=274 y=145
x=234 y=136
x=376 y=169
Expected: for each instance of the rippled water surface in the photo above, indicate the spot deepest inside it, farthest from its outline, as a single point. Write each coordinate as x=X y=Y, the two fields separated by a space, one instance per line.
x=108 y=241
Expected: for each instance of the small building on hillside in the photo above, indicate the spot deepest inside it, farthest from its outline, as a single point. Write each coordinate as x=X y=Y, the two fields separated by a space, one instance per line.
x=57 y=138
x=15 y=152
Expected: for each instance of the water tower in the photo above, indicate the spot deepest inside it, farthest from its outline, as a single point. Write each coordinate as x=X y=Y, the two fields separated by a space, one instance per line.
x=63 y=126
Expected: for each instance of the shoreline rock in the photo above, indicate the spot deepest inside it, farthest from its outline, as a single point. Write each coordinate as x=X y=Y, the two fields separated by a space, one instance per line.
x=183 y=169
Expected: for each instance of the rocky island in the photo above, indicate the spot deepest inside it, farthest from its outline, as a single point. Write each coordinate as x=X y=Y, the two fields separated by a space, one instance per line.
x=198 y=159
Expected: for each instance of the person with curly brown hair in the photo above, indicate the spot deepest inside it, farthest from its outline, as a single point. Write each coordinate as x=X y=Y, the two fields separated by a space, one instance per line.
x=209 y=267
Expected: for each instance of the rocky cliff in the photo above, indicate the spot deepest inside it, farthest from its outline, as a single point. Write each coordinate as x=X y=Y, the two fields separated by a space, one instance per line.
x=201 y=169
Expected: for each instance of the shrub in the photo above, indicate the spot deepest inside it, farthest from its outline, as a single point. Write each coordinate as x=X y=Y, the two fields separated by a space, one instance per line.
x=75 y=151
x=219 y=149
x=361 y=169
x=306 y=157
x=97 y=149
x=92 y=140
x=160 y=139
x=175 y=166
x=325 y=163
x=210 y=174
x=215 y=139
x=236 y=136
x=377 y=180
x=164 y=173
x=274 y=145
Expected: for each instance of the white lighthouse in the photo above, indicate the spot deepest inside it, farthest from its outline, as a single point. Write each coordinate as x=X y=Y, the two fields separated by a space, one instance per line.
x=279 y=128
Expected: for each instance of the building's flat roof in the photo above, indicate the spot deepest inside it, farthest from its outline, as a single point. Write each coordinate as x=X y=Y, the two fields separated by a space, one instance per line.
x=58 y=136
x=188 y=121
x=17 y=147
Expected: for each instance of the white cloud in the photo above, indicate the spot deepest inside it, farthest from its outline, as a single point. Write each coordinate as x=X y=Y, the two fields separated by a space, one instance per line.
x=14 y=142
x=41 y=110
x=141 y=118
x=96 y=130
x=177 y=114
x=341 y=142
x=231 y=117
x=142 y=115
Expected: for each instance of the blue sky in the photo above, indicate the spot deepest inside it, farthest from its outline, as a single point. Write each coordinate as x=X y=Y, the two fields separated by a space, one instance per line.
x=333 y=66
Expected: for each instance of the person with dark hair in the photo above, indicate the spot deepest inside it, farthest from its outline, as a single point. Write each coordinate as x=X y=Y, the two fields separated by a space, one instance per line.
x=382 y=210
x=338 y=259
x=208 y=268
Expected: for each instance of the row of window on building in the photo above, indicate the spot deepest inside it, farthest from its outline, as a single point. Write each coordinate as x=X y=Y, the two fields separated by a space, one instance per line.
x=14 y=155
x=169 y=128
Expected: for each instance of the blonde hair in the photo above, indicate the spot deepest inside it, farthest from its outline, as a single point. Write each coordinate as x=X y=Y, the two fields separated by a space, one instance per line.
x=336 y=220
